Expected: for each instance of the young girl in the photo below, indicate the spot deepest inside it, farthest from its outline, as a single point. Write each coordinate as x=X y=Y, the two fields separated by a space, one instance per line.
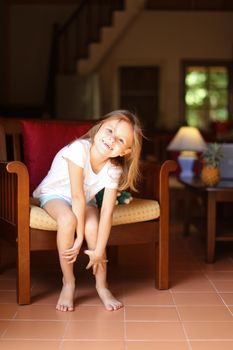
x=106 y=157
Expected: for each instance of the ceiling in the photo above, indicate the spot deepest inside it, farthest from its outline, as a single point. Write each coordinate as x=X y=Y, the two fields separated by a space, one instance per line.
x=160 y=5
x=190 y=5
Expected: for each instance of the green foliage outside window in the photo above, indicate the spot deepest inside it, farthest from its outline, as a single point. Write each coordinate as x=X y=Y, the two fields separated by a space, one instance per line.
x=206 y=95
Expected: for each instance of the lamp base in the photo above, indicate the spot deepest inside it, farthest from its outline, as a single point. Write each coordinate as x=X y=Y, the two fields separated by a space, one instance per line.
x=186 y=165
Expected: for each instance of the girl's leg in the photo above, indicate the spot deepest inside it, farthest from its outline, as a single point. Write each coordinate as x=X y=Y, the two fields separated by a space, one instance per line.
x=91 y=230
x=66 y=225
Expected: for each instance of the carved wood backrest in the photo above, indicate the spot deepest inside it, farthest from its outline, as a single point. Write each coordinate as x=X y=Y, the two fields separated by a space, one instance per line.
x=10 y=139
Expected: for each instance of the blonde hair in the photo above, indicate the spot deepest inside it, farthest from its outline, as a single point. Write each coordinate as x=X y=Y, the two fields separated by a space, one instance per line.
x=130 y=162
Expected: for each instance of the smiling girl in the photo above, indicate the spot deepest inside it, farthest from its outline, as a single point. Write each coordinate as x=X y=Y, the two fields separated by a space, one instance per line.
x=106 y=157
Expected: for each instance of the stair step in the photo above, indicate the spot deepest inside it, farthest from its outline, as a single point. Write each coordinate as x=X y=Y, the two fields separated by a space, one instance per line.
x=109 y=35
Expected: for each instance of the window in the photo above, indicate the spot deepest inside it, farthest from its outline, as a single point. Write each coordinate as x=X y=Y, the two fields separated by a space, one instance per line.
x=207 y=89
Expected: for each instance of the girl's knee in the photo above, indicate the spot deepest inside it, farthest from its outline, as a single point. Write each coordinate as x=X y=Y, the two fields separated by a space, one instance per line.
x=67 y=221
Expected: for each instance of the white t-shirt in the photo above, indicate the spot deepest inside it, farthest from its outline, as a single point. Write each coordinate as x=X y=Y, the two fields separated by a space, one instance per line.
x=57 y=181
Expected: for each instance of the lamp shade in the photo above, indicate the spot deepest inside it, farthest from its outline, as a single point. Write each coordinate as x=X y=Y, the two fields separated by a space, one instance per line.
x=188 y=141
x=187 y=138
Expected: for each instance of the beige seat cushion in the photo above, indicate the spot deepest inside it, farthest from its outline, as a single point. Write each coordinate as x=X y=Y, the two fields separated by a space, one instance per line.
x=138 y=210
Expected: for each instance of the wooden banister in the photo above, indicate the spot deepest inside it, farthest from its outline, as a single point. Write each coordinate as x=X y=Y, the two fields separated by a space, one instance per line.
x=70 y=40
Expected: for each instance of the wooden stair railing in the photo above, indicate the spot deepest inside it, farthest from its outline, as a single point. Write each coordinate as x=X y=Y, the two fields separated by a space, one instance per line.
x=70 y=41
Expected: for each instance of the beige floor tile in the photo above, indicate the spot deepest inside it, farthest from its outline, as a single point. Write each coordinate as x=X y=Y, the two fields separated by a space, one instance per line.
x=93 y=345
x=8 y=311
x=44 y=297
x=139 y=284
x=212 y=345
x=223 y=286
x=152 y=345
x=3 y=327
x=151 y=313
x=141 y=279
x=40 y=312
x=148 y=297
x=204 y=313
x=29 y=345
x=95 y=330
x=225 y=264
x=192 y=284
x=7 y=296
x=227 y=298
x=209 y=330
x=154 y=331
x=197 y=298
x=35 y=329
x=220 y=275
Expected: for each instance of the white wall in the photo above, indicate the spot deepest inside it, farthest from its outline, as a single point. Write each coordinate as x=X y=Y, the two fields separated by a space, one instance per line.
x=164 y=39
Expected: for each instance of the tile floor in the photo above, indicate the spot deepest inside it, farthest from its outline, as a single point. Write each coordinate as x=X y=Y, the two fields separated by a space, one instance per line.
x=196 y=313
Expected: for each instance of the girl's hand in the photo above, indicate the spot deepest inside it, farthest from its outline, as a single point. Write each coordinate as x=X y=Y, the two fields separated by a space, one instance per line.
x=71 y=254
x=95 y=261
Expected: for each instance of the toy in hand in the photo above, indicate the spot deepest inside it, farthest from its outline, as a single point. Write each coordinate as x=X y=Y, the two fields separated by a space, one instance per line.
x=123 y=197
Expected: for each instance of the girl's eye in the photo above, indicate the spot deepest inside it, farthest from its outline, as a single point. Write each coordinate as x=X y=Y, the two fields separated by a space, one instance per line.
x=109 y=131
x=121 y=141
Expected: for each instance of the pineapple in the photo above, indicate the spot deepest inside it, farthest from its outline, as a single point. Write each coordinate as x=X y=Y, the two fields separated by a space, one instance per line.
x=210 y=174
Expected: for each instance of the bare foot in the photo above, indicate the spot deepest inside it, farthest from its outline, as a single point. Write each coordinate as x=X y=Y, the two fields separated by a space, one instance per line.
x=66 y=299
x=109 y=301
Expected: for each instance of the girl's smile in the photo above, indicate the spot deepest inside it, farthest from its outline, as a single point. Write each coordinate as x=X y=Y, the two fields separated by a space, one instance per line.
x=107 y=145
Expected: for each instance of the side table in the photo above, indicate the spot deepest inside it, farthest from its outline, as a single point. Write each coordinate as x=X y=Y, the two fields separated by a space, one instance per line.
x=212 y=195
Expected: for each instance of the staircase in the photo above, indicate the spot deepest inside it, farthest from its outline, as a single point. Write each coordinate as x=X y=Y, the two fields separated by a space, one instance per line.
x=81 y=29
x=110 y=36
x=80 y=47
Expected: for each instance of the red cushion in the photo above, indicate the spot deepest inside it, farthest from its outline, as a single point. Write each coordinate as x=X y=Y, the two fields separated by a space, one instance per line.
x=42 y=140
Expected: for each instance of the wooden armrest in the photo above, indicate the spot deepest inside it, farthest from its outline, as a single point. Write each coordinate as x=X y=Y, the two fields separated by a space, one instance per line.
x=14 y=183
x=166 y=168
x=154 y=182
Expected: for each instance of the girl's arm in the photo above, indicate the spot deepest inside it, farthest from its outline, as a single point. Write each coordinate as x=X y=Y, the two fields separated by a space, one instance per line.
x=78 y=208
x=104 y=228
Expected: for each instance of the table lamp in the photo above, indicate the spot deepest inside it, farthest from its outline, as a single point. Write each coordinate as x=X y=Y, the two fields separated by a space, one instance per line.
x=188 y=141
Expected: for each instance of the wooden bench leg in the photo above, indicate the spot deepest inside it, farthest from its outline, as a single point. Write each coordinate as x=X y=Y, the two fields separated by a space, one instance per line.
x=211 y=227
x=23 y=273
x=162 y=276
x=1 y=264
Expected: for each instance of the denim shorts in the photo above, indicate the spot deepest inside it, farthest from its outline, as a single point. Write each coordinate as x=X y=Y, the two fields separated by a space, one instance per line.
x=47 y=197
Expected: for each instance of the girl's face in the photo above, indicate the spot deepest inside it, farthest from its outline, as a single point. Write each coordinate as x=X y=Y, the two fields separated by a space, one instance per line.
x=114 y=138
